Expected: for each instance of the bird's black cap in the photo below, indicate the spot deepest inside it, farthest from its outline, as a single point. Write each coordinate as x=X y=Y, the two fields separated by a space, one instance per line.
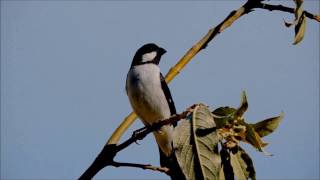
x=148 y=48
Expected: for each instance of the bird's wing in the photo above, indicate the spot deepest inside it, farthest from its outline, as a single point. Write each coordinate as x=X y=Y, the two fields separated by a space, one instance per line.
x=167 y=93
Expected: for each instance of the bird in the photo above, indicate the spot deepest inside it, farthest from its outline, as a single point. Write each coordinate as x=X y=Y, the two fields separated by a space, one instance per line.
x=151 y=100
x=149 y=94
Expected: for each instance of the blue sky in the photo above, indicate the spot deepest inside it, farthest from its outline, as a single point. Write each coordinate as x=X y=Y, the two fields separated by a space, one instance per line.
x=64 y=65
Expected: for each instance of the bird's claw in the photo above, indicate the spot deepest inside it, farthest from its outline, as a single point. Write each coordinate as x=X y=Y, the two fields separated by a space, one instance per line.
x=137 y=134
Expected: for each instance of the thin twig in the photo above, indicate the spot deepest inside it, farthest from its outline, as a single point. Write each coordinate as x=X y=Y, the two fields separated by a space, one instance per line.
x=143 y=132
x=271 y=7
x=142 y=166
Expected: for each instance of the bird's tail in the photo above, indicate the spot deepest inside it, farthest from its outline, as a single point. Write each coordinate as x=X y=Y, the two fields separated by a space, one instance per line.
x=171 y=162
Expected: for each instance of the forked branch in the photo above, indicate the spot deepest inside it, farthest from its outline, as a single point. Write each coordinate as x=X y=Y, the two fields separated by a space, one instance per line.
x=271 y=7
x=106 y=156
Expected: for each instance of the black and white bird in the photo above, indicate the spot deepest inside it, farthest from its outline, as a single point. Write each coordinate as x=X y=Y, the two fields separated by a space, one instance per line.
x=149 y=94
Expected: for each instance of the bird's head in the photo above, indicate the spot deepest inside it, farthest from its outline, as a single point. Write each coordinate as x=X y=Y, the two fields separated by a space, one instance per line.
x=148 y=53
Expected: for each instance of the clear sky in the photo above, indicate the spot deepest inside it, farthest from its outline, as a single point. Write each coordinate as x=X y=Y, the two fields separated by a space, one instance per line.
x=64 y=65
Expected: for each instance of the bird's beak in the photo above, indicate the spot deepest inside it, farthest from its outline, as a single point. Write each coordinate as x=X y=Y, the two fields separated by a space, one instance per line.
x=161 y=51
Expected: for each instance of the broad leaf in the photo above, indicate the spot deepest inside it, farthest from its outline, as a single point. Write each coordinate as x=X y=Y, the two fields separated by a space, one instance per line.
x=195 y=143
x=184 y=151
x=242 y=164
x=206 y=146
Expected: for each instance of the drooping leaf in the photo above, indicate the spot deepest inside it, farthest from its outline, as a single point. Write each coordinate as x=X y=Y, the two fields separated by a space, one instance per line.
x=206 y=146
x=300 y=29
x=183 y=145
x=300 y=22
x=265 y=127
x=221 y=174
x=242 y=164
x=195 y=142
x=238 y=171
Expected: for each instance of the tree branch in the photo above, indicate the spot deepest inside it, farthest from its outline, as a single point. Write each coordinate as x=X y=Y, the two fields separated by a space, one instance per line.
x=271 y=7
x=109 y=151
x=142 y=166
x=143 y=132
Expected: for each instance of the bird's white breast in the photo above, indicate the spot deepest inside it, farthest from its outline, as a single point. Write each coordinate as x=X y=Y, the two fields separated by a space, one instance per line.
x=145 y=93
x=149 y=101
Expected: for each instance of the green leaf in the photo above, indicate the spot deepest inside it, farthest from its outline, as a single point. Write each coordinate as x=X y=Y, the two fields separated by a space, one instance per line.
x=206 y=146
x=242 y=165
x=224 y=111
x=197 y=152
x=233 y=127
x=265 y=127
x=223 y=116
x=184 y=151
x=237 y=170
x=243 y=106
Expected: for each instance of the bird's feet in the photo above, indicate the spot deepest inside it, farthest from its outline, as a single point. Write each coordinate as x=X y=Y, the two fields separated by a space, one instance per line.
x=139 y=134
